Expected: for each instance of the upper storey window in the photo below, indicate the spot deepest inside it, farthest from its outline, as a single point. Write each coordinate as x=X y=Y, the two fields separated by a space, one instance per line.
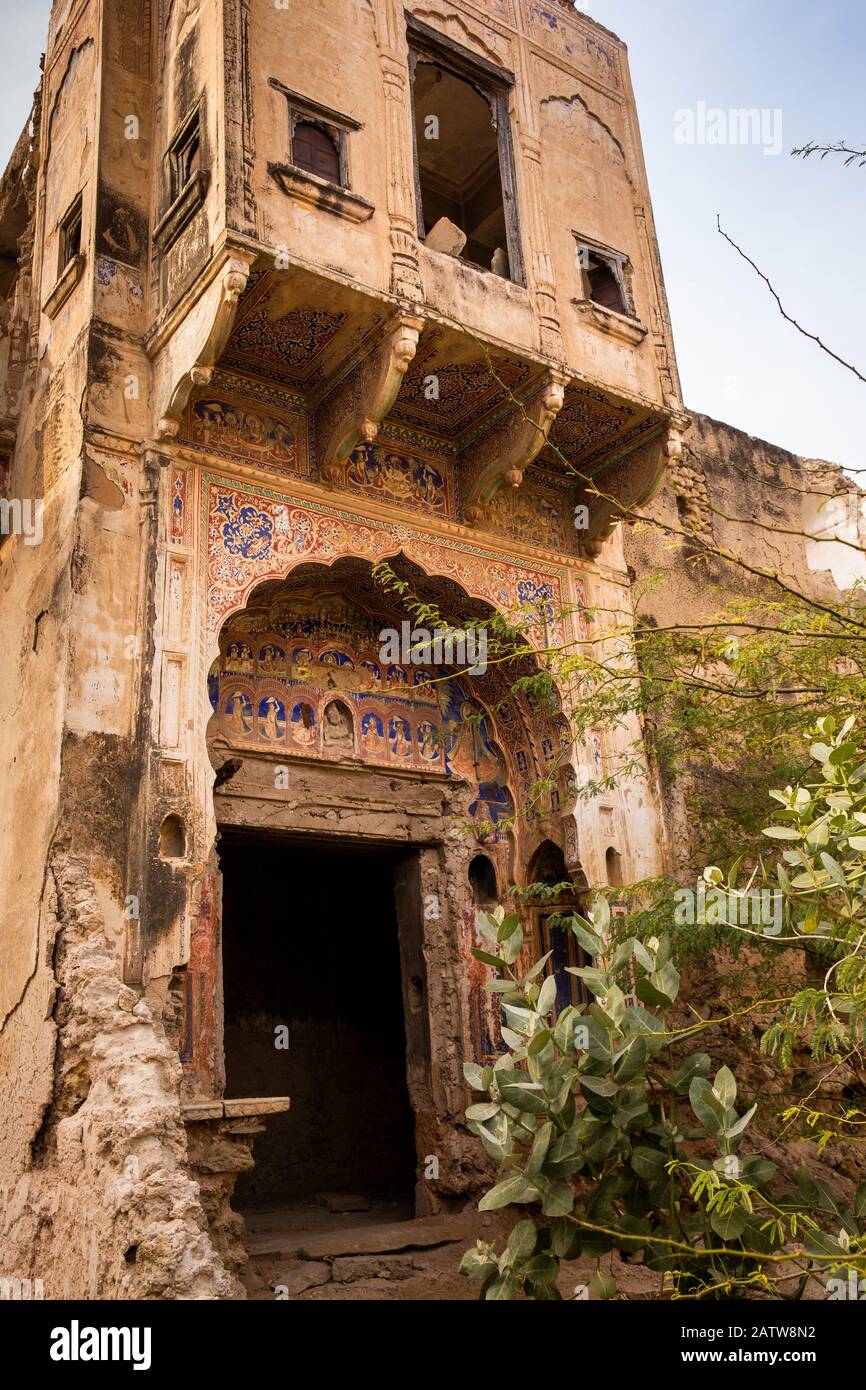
x=317 y=171
x=185 y=156
x=315 y=151
x=464 y=166
x=70 y=234
x=605 y=277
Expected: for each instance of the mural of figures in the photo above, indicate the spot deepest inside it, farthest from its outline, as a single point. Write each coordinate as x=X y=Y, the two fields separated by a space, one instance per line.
x=338 y=730
x=239 y=715
x=373 y=735
x=399 y=479
x=222 y=427
x=400 y=736
x=304 y=725
x=272 y=719
x=271 y=658
x=314 y=686
x=177 y=505
x=375 y=672
x=239 y=657
x=493 y=810
x=429 y=745
x=596 y=754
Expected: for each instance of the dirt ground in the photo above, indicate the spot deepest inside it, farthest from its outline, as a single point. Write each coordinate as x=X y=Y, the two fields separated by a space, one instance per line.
x=309 y=1251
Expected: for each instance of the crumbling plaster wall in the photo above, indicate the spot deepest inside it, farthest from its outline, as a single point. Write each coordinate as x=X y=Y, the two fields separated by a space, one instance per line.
x=97 y=1200
x=762 y=504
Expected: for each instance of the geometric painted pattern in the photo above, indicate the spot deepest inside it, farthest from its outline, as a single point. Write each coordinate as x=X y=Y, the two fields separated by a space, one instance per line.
x=252 y=533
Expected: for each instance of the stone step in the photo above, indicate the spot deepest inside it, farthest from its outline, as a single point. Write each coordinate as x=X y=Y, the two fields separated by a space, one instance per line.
x=392 y=1238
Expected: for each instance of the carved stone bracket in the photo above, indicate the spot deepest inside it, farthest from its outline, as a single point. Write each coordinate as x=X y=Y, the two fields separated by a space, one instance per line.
x=502 y=456
x=189 y=344
x=354 y=410
x=628 y=482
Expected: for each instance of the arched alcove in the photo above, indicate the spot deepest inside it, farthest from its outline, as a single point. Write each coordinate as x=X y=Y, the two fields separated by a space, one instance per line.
x=552 y=935
x=482 y=878
x=613 y=867
x=172 y=838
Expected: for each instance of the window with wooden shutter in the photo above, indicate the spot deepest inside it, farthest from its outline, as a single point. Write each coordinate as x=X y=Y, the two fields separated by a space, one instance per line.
x=316 y=152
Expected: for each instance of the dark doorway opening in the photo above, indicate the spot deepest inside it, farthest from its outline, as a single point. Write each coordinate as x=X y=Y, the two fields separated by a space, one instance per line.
x=311 y=946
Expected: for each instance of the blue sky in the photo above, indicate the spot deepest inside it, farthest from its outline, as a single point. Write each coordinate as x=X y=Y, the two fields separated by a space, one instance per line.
x=802 y=221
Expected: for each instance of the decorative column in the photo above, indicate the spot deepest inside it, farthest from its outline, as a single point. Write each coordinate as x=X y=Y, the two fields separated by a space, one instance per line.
x=393 y=57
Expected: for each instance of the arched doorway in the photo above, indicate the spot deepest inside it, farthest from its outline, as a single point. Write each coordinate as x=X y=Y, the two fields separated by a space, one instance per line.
x=353 y=789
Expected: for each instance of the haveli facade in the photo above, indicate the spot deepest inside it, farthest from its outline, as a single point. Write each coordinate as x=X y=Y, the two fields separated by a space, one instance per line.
x=292 y=290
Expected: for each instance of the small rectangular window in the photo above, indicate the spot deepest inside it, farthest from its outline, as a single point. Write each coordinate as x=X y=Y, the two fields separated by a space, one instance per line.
x=70 y=235
x=605 y=277
x=185 y=157
x=318 y=137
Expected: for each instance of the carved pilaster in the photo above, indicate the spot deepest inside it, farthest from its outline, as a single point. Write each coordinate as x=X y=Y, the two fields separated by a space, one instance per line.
x=352 y=413
x=405 y=271
x=502 y=456
x=543 y=280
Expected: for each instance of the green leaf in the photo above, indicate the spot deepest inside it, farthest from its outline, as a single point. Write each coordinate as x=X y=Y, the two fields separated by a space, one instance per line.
x=513 y=946
x=696 y=1065
x=522 y=1241
x=564 y=1236
x=647 y=992
x=729 y=1225
x=538 y=1153
x=631 y=1059
x=476 y=1264
x=537 y=968
x=603 y=1285
x=781 y=832
x=484 y=956
x=557 y=1198
x=507 y=927
x=599 y=1085
x=592 y=944
x=705 y=1105
x=511 y=1189
x=643 y=957
x=733 y=1130
x=758 y=1171
x=546 y=996
x=843 y=753
x=600 y=915
x=725 y=1086
x=483 y=1112
x=472 y=1073
x=501 y=1289
x=649 y=1164
x=834 y=870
